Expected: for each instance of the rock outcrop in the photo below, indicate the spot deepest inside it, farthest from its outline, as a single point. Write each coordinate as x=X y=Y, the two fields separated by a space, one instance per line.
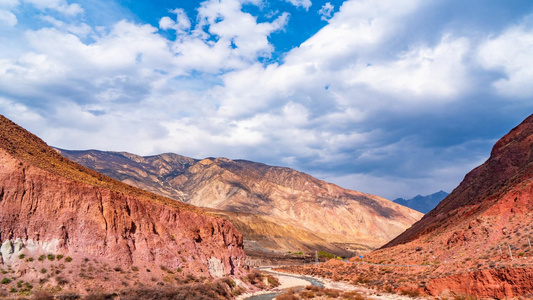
x=477 y=242
x=310 y=214
x=491 y=283
x=481 y=233
x=52 y=206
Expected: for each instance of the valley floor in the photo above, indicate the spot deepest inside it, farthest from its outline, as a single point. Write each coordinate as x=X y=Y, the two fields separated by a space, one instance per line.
x=304 y=286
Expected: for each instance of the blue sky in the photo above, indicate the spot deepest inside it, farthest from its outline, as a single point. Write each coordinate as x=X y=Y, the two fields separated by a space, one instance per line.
x=390 y=97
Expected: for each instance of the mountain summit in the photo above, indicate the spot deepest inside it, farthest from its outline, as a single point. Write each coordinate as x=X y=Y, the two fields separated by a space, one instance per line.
x=289 y=205
x=421 y=203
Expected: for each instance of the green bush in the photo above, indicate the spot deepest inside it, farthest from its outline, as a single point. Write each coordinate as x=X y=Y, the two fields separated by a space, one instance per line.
x=5 y=281
x=68 y=259
x=41 y=258
x=22 y=256
x=51 y=257
x=43 y=270
x=59 y=256
x=322 y=254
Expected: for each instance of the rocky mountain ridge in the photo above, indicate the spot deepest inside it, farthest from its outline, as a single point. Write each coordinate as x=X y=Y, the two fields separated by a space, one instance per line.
x=475 y=244
x=114 y=235
x=423 y=204
x=316 y=215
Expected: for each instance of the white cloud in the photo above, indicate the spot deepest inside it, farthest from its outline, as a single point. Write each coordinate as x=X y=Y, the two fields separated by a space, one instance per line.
x=225 y=37
x=511 y=53
x=326 y=12
x=122 y=65
x=421 y=72
x=181 y=24
x=59 y=5
x=356 y=30
x=333 y=102
x=9 y=3
x=82 y=30
x=8 y=18
x=301 y=3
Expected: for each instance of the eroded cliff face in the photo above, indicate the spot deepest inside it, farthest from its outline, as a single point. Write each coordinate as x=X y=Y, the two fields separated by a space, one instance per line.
x=44 y=213
x=498 y=284
x=477 y=241
x=55 y=214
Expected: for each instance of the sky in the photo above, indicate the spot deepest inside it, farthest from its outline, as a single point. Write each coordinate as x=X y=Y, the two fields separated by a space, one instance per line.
x=390 y=97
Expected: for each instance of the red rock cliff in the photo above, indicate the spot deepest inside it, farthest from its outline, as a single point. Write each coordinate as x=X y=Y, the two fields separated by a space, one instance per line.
x=51 y=205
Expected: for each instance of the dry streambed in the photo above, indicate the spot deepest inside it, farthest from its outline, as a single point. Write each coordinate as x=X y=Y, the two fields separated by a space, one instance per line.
x=297 y=282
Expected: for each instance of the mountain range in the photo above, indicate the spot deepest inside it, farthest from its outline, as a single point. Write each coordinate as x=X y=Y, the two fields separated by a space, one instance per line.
x=423 y=204
x=277 y=209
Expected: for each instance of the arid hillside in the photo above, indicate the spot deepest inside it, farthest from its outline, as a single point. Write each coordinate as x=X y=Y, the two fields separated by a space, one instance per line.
x=66 y=227
x=477 y=241
x=293 y=211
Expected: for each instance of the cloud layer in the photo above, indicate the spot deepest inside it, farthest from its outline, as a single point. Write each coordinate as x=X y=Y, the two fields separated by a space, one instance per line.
x=371 y=101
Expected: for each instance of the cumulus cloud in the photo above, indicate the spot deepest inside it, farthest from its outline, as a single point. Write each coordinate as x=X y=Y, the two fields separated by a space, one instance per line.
x=510 y=53
x=368 y=101
x=438 y=72
x=301 y=3
x=181 y=24
x=8 y=18
x=326 y=12
x=59 y=5
x=82 y=30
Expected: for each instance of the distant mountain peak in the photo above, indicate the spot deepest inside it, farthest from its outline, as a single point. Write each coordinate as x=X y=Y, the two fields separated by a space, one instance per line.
x=423 y=204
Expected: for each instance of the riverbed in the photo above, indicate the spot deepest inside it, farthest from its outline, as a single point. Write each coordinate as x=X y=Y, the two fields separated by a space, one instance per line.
x=299 y=282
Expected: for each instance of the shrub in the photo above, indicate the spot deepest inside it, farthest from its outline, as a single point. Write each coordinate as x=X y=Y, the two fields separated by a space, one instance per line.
x=273 y=281
x=51 y=257
x=411 y=292
x=5 y=280
x=41 y=258
x=22 y=256
x=29 y=259
x=43 y=270
x=332 y=293
x=42 y=295
x=352 y=295
x=289 y=295
x=59 y=256
x=68 y=259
